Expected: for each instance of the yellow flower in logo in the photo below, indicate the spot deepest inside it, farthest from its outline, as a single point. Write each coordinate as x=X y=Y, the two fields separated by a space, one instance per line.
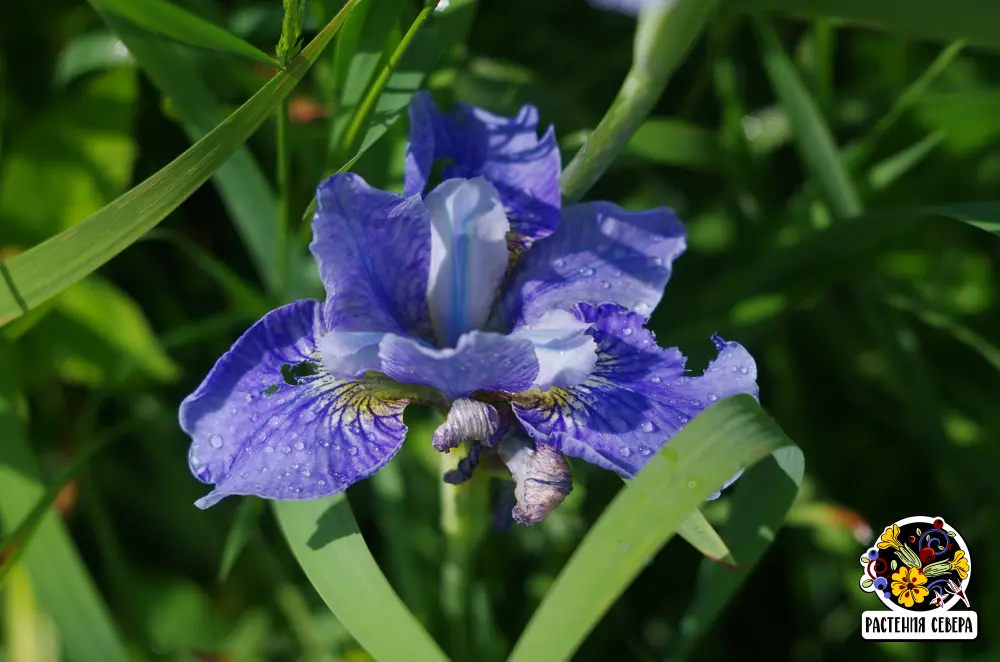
x=961 y=564
x=908 y=586
x=890 y=538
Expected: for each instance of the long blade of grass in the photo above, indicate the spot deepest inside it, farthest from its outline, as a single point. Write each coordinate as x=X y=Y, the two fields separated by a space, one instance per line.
x=245 y=191
x=734 y=433
x=174 y=22
x=698 y=532
x=975 y=20
x=812 y=135
x=58 y=574
x=326 y=542
x=41 y=272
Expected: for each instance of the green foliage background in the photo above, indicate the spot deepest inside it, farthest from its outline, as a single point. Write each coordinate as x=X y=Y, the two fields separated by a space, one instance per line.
x=837 y=167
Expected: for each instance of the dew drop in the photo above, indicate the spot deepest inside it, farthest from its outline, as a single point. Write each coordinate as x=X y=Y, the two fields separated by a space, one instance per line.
x=249 y=397
x=274 y=421
x=558 y=263
x=321 y=481
x=692 y=484
x=269 y=449
x=657 y=262
x=647 y=426
x=683 y=419
x=695 y=403
x=299 y=445
x=712 y=397
x=305 y=473
x=655 y=379
x=253 y=417
x=286 y=450
x=215 y=440
x=624 y=451
x=743 y=369
x=351 y=450
x=627 y=331
x=232 y=411
x=644 y=451
x=586 y=271
x=605 y=284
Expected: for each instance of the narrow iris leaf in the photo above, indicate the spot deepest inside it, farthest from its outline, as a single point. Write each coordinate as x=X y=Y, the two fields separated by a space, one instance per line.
x=244 y=189
x=700 y=534
x=732 y=434
x=326 y=542
x=169 y=20
x=41 y=272
x=812 y=135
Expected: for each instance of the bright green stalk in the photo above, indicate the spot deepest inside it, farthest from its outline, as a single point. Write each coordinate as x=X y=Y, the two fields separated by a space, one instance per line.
x=665 y=33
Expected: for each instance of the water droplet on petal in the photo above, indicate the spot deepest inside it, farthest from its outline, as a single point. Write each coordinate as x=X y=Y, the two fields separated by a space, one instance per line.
x=743 y=369
x=299 y=445
x=644 y=451
x=351 y=450
x=253 y=417
x=249 y=397
x=712 y=397
x=557 y=263
x=274 y=421
x=232 y=411
x=647 y=426
x=286 y=450
x=655 y=379
x=269 y=449
x=305 y=473
x=586 y=271
x=605 y=284
x=627 y=331
x=215 y=440
x=624 y=451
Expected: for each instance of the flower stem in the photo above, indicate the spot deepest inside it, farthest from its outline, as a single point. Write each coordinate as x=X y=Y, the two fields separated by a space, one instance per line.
x=454 y=565
x=285 y=211
x=360 y=120
x=665 y=32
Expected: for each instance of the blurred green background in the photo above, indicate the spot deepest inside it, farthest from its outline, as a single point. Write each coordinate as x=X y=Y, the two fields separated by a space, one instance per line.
x=875 y=336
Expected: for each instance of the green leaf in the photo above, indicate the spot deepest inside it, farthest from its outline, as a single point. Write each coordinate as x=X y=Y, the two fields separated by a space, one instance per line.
x=700 y=534
x=58 y=574
x=760 y=503
x=931 y=19
x=326 y=542
x=732 y=434
x=664 y=35
x=812 y=135
x=173 y=22
x=43 y=271
x=245 y=191
x=984 y=215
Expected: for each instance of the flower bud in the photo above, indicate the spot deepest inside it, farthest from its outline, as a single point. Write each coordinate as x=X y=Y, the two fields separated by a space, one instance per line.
x=542 y=477
x=468 y=420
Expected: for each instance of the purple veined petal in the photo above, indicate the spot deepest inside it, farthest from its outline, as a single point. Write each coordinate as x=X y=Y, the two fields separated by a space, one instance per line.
x=629 y=8
x=507 y=151
x=481 y=361
x=601 y=253
x=637 y=398
x=468 y=255
x=254 y=434
x=566 y=353
x=373 y=249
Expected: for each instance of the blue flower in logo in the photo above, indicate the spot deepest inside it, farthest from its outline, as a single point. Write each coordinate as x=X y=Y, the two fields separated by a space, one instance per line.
x=523 y=320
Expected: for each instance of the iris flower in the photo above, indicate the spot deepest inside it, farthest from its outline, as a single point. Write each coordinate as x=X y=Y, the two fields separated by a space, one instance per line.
x=481 y=295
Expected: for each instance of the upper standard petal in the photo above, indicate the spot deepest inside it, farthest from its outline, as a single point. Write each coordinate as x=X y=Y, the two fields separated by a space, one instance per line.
x=373 y=249
x=507 y=151
x=254 y=433
x=601 y=253
x=468 y=255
